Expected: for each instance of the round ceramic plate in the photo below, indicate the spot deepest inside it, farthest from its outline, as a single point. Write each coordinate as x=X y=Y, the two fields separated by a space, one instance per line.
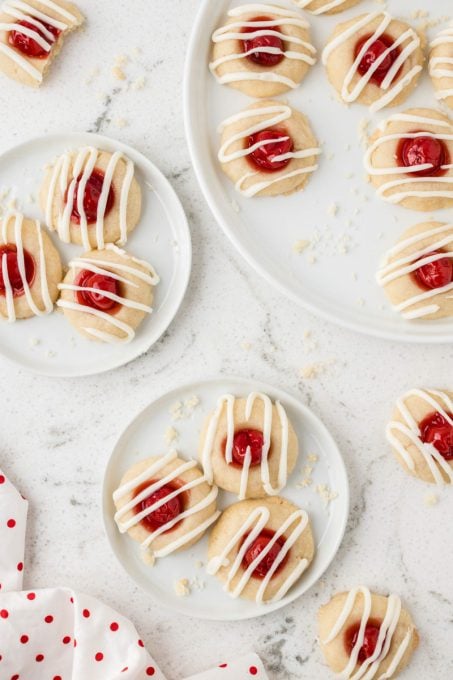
x=50 y=345
x=335 y=277
x=145 y=436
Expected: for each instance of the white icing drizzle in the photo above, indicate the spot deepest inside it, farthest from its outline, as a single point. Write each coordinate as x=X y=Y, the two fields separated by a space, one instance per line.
x=410 y=429
x=406 y=264
x=442 y=66
x=255 y=523
x=272 y=115
x=234 y=31
x=228 y=400
x=114 y=270
x=23 y=11
x=83 y=165
x=326 y=7
x=370 y=667
x=150 y=472
x=403 y=181
x=41 y=266
x=390 y=91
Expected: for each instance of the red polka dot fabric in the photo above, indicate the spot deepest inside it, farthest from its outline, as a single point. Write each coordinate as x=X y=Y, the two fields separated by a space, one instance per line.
x=244 y=668
x=56 y=633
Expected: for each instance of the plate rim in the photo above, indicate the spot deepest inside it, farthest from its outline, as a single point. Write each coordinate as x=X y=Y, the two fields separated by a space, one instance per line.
x=270 y=389
x=199 y=28
x=184 y=271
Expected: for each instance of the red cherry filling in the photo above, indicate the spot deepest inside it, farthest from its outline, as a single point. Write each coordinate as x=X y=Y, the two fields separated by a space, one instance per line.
x=436 y=274
x=422 y=150
x=27 y=45
x=166 y=512
x=12 y=267
x=263 y=157
x=257 y=548
x=374 y=51
x=436 y=430
x=97 y=300
x=93 y=190
x=369 y=641
x=244 y=439
x=266 y=59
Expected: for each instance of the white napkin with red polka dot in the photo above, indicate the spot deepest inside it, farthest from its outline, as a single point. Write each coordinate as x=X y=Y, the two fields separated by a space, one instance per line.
x=60 y=634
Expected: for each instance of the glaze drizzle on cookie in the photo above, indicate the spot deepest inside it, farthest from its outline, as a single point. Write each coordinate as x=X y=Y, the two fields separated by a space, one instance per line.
x=255 y=523
x=83 y=166
x=228 y=401
x=410 y=429
x=235 y=31
x=404 y=183
x=442 y=66
x=370 y=666
x=45 y=295
x=22 y=11
x=391 y=91
x=151 y=472
x=271 y=116
x=404 y=265
x=117 y=271
x=326 y=7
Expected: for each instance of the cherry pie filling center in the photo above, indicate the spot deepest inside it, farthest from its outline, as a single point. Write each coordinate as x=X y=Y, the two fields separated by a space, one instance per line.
x=257 y=547
x=12 y=267
x=369 y=641
x=422 y=150
x=436 y=430
x=272 y=144
x=96 y=300
x=373 y=53
x=266 y=59
x=27 y=45
x=91 y=196
x=167 y=512
x=243 y=439
x=435 y=274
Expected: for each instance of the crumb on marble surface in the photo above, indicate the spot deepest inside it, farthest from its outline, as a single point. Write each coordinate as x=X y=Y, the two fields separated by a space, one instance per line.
x=430 y=499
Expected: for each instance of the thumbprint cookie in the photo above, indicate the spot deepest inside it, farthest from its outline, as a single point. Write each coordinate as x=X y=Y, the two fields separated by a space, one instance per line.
x=409 y=160
x=365 y=635
x=417 y=273
x=317 y=7
x=91 y=197
x=30 y=268
x=262 y=50
x=107 y=293
x=248 y=446
x=374 y=60
x=31 y=35
x=421 y=434
x=268 y=149
x=260 y=548
x=441 y=66
x=166 y=504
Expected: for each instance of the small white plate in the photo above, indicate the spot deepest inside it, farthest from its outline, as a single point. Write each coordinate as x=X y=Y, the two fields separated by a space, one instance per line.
x=340 y=287
x=49 y=345
x=145 y=437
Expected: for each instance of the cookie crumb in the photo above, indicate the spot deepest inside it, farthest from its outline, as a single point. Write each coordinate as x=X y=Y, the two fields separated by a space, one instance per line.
x=312 y=458
x=182 y=587
x=118 y=73
x=139 y=83
x=301 y=245
x=430 y=499
x=325 y=493
x=34 y=342
x=246 y=345
x=199 y=564
x=51 y=354
x=313 y=370
x=120 y=123
x=236 y=207
x=170 y=435
x=332 y=210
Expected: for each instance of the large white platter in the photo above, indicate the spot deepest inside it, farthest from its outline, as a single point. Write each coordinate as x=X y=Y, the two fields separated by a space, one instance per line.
x=340 y=287
x=145 y=437
x=162 y=237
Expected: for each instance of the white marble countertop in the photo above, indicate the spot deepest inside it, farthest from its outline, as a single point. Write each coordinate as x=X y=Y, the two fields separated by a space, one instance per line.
x=56 y=435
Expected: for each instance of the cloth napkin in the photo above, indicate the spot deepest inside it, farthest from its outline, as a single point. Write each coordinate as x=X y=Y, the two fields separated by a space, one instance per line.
x=60 y=634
